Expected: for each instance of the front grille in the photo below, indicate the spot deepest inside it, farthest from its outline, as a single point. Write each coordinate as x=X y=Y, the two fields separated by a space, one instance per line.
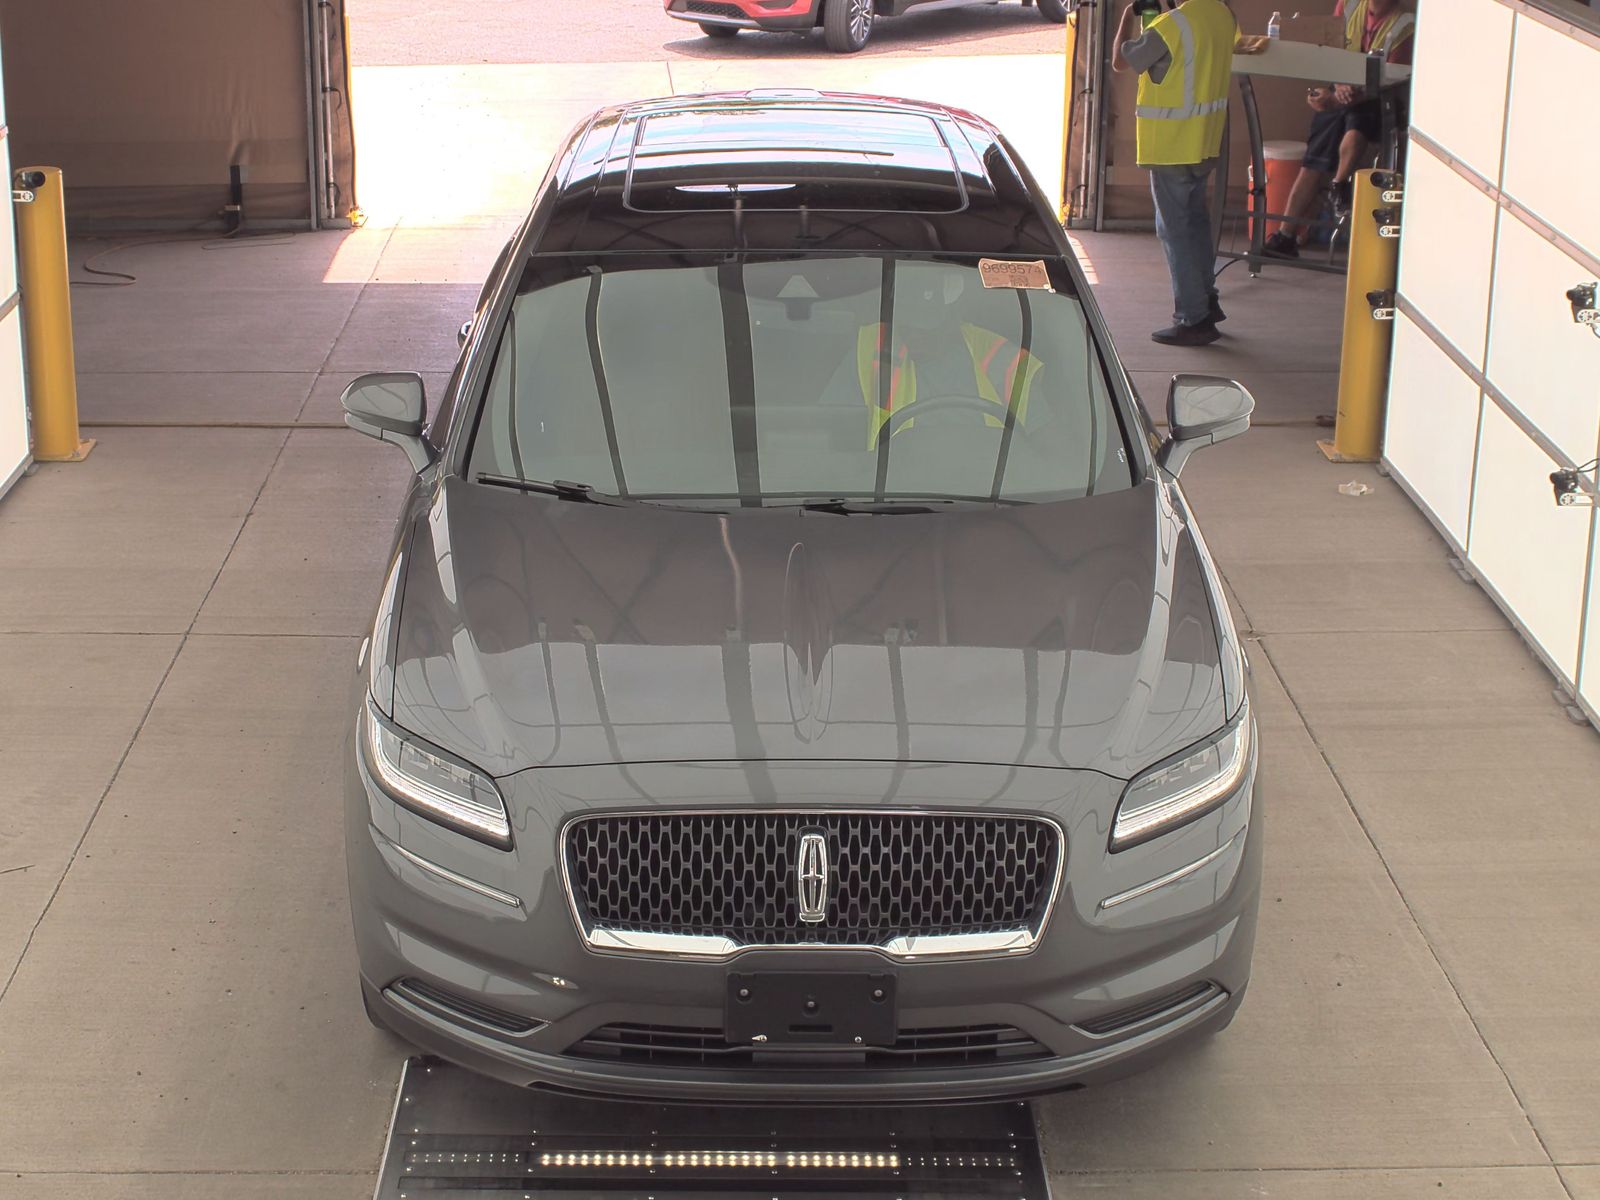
x=675 y=1046
x=707 y=9
x=735 y=875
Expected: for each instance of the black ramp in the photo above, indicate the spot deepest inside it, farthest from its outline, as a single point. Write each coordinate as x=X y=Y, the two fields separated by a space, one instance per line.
x=456 y=1134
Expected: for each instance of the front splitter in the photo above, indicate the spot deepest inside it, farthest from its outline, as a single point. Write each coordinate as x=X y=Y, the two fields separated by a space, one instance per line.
x=456 y=1135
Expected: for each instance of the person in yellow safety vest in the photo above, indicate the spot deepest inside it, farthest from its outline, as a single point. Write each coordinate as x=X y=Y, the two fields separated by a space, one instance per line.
x=1185 y=63
x=1344 y=122
x=928 y=361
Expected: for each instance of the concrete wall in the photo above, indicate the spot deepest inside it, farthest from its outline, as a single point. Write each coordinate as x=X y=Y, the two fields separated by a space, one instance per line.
x=13 y=395
x=1493 y=386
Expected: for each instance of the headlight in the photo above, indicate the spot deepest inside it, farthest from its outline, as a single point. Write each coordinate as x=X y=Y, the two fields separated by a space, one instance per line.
x=425 y=781
x=1183 y=788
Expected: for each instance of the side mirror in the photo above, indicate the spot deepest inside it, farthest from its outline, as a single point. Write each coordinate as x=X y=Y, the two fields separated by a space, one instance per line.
x=1202 y=410
x=391 y=408
x=464 y=332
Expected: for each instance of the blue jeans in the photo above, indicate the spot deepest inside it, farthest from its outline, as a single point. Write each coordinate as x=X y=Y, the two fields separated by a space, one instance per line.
x=1183 y=223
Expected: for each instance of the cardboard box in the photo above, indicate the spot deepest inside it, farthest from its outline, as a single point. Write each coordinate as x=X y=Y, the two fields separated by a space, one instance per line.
x=1313 y=30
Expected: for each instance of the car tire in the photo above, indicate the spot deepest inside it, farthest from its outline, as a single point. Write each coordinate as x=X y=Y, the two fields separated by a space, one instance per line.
x=847 y=24
x=1053 y=10
x=721 y=32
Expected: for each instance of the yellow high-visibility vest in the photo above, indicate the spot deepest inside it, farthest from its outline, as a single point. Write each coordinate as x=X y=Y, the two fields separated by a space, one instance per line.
x=1180 y=120
x=1394 y=29
x=995 y=364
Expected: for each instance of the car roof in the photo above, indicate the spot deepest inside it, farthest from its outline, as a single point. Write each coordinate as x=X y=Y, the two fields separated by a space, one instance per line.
x=792 y=171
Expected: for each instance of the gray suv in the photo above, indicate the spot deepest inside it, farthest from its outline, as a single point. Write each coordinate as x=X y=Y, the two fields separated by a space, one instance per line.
x=798 y=676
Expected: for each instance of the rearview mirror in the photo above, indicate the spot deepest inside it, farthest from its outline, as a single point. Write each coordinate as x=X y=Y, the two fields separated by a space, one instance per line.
x=1202 y=410
x=391 y=408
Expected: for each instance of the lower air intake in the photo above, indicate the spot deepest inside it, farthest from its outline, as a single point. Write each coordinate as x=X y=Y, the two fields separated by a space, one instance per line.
x=677 y=1046
x=445 y=1004
x=1163 y=1008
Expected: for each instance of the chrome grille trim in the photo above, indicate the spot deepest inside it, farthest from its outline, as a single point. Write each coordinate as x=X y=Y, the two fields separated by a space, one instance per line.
x=708 y=947
x=1200 y=864
x=444 y=873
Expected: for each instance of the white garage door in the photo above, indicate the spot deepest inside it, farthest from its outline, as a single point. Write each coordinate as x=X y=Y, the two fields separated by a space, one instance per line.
x=1492 y=385
x=13 y=403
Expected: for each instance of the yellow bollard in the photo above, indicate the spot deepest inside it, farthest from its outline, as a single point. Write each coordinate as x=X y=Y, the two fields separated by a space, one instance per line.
x=1369 y=288
x=47 y=318
x=1070 y=102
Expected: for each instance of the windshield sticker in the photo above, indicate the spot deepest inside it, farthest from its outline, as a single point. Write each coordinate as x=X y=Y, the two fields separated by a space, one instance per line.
x=1000 y=273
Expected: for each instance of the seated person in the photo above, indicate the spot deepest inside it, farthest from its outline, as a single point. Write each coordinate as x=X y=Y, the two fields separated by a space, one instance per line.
x=937 y=353
x=1347 y=121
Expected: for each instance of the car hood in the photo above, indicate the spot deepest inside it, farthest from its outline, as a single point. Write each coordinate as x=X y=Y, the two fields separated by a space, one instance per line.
x=541 y=632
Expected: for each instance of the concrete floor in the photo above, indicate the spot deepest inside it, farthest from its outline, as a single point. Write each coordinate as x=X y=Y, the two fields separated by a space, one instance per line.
x=180 y=614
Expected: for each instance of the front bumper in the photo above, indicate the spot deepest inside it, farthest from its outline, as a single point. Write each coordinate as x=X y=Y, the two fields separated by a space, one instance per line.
x=524 y=1066
x=526 y=958
x=776 y=16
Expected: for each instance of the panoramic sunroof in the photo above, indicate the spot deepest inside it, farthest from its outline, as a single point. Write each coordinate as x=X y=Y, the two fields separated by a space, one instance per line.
x=771 y=159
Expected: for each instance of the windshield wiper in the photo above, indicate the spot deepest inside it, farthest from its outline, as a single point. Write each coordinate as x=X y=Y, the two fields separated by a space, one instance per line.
x=848 y=506
x=583 y=493
x=878 y=508
x=564 y=488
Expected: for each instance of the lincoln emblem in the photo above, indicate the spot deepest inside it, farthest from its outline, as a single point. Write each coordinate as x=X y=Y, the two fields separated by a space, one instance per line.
x=812 y=869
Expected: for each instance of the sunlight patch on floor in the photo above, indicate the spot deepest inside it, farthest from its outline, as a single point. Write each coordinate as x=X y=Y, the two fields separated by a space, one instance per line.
x=454 y=145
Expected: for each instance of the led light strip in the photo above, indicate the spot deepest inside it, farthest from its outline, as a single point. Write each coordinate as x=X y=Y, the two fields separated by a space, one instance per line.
x=810 y=1160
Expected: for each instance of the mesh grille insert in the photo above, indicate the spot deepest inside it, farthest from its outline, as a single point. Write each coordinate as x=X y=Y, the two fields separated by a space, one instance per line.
x=707 y=9
x=675 y=1046
x=735 y=875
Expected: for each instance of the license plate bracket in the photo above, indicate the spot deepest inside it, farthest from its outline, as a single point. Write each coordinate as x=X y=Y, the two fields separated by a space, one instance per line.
x=808 y=1008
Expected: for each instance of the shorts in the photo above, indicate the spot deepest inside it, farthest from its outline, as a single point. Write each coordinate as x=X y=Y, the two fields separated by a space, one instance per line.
x=1328 y=130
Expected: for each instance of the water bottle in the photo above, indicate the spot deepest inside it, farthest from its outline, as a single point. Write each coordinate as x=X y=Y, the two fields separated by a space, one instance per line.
x=1274 y=26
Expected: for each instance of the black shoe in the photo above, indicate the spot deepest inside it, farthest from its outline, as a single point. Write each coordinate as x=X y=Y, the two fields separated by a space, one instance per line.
x=1216 y=316
x=1281 y=245
x=1202 y=333
x=1343 y=193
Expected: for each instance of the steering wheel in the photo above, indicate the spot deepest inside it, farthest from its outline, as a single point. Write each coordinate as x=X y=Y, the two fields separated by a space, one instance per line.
x=954 y=401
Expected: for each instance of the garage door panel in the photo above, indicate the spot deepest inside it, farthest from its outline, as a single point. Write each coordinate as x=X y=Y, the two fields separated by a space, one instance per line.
x=1552 y=156
x=8 y=235
x=1472 y=40
x=1451 y=288
x=13 y=400
x=1432 y=426
x=1543 y=363
x=8 y=245
x=1589 y=674
x=13 y=421
x=1531 y=551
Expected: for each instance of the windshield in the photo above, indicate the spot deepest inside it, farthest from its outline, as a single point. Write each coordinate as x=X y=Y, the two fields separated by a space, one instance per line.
x=764 y=382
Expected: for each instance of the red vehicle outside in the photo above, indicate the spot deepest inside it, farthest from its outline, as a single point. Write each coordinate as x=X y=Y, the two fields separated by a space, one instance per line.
x=846 y=24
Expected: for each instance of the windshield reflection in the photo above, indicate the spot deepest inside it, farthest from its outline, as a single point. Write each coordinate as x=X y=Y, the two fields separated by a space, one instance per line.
x=772 y=381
